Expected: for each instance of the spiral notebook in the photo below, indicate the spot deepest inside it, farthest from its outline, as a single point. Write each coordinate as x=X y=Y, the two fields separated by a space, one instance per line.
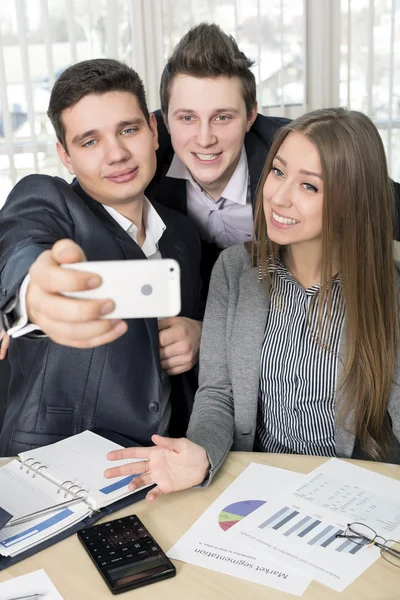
x=65 y=477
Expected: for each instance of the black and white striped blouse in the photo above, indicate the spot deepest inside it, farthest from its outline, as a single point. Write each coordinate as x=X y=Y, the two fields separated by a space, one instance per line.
x=296 y=410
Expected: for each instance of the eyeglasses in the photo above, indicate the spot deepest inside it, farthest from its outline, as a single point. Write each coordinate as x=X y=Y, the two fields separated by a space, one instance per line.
x=363 y=535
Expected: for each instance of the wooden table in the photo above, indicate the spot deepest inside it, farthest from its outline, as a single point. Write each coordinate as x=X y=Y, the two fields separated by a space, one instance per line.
x=75 y=576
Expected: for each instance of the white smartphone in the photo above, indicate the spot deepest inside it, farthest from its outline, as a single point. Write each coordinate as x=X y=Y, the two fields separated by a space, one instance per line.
x=139 y=288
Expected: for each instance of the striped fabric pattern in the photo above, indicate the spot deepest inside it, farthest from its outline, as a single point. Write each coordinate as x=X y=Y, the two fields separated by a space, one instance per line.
x=296 y=410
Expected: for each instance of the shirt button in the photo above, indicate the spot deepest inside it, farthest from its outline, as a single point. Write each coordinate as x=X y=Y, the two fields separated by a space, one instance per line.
x=154 y=407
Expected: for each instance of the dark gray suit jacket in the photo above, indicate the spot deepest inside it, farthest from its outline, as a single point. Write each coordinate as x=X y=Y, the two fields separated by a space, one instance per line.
x=56 y=391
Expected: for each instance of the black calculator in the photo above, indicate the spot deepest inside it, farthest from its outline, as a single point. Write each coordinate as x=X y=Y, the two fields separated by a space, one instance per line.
x=126 y=554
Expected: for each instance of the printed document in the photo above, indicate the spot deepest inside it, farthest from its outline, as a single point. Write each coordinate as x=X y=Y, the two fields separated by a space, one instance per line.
x=206 y=543
x=301 y=528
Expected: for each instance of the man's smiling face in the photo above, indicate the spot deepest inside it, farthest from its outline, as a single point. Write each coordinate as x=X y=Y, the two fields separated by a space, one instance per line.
x=207 y=120
x=111 y=147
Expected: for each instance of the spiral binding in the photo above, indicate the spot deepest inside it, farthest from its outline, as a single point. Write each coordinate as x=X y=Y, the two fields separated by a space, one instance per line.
x=31 y=466
x=67 y=490
x=63 y=487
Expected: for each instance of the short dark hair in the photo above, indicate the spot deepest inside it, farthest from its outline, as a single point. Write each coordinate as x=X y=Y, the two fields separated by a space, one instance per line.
x=206 y=51
x=96 y=76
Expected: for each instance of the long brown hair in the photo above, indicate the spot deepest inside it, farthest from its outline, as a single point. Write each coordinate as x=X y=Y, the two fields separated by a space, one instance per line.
x=358 y=217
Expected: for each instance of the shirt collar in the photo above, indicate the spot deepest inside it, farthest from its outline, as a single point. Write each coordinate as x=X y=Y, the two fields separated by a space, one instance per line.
x=153 y=224
x=236 y=188
x=283 y=272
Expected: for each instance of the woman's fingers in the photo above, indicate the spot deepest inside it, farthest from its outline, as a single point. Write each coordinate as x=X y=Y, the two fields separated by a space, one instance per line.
x=134 y=468
x=154 y=493
x=141 y=480
x=125 y=453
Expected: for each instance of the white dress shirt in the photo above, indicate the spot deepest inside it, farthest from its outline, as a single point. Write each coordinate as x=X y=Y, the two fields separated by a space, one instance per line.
x=226 y=221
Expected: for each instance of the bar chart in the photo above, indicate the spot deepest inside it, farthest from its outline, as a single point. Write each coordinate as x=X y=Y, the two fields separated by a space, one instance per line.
x=312 y=531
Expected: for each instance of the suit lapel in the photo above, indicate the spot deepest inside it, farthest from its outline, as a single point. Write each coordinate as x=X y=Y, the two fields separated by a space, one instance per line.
x=173 y=194
x=168 y=191
x=247 y=341
x=170 y=245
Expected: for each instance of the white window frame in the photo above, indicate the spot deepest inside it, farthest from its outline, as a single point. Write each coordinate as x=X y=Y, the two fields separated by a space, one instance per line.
x=322 y=20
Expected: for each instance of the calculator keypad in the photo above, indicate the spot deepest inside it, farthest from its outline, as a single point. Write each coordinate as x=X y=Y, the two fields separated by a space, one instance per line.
x=119 y=541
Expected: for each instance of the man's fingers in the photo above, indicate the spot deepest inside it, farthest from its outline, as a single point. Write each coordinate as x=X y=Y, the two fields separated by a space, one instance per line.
x=83 y=335
x=47 y=274
x=67 y=310
x=180 y=360
x=93 y=342
x=134 y=468
x=67 y=251
x=178 y=370
x=169 y=336
x=77 y=331
x=172 y=368
x=166 y=323
x=4 y=340
x=176 y=349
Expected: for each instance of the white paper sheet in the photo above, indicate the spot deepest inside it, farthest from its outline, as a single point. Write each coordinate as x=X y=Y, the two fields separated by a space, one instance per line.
x=300 y=528
x=206 y=543
x=37 y=582
x=83 y=459
x=20 y=496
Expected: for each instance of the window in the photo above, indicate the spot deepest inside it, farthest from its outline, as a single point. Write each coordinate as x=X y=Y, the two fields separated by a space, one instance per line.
x=270 y=32
x=307 y=54
x=38 y=40
x=370 y=64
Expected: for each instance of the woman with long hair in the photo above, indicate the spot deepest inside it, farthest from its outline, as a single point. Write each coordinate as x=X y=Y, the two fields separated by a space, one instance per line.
x=300 y=344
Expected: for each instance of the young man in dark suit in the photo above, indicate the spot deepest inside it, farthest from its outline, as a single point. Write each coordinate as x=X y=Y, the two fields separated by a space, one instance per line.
x=212 y=142
x=71 y=369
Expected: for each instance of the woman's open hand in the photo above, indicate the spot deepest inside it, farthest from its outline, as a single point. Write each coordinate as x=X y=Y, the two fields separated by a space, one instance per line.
x=172 y=464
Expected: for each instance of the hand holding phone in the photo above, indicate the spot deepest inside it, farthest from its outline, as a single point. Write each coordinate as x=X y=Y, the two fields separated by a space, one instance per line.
x=66 y=321
x=139 y=288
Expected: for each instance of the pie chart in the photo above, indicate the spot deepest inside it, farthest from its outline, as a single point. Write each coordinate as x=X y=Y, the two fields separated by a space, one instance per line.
x=235 y=512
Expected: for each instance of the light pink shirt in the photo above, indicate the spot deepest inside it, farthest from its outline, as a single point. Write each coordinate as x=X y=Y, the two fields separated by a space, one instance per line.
x=226 y=221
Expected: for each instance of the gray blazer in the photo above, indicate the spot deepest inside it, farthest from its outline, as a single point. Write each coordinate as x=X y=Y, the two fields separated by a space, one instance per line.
x=225 y=410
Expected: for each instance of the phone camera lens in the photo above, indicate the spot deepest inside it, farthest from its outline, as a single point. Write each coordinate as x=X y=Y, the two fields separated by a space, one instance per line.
x=171 y=269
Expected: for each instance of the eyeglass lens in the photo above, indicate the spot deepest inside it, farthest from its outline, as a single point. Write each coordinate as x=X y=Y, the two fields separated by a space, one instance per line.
x=360 y=533
x=390 y=551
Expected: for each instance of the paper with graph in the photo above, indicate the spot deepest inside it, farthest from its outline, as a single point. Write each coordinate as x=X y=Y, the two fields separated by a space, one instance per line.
x=301 y=529
x=206 y=543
